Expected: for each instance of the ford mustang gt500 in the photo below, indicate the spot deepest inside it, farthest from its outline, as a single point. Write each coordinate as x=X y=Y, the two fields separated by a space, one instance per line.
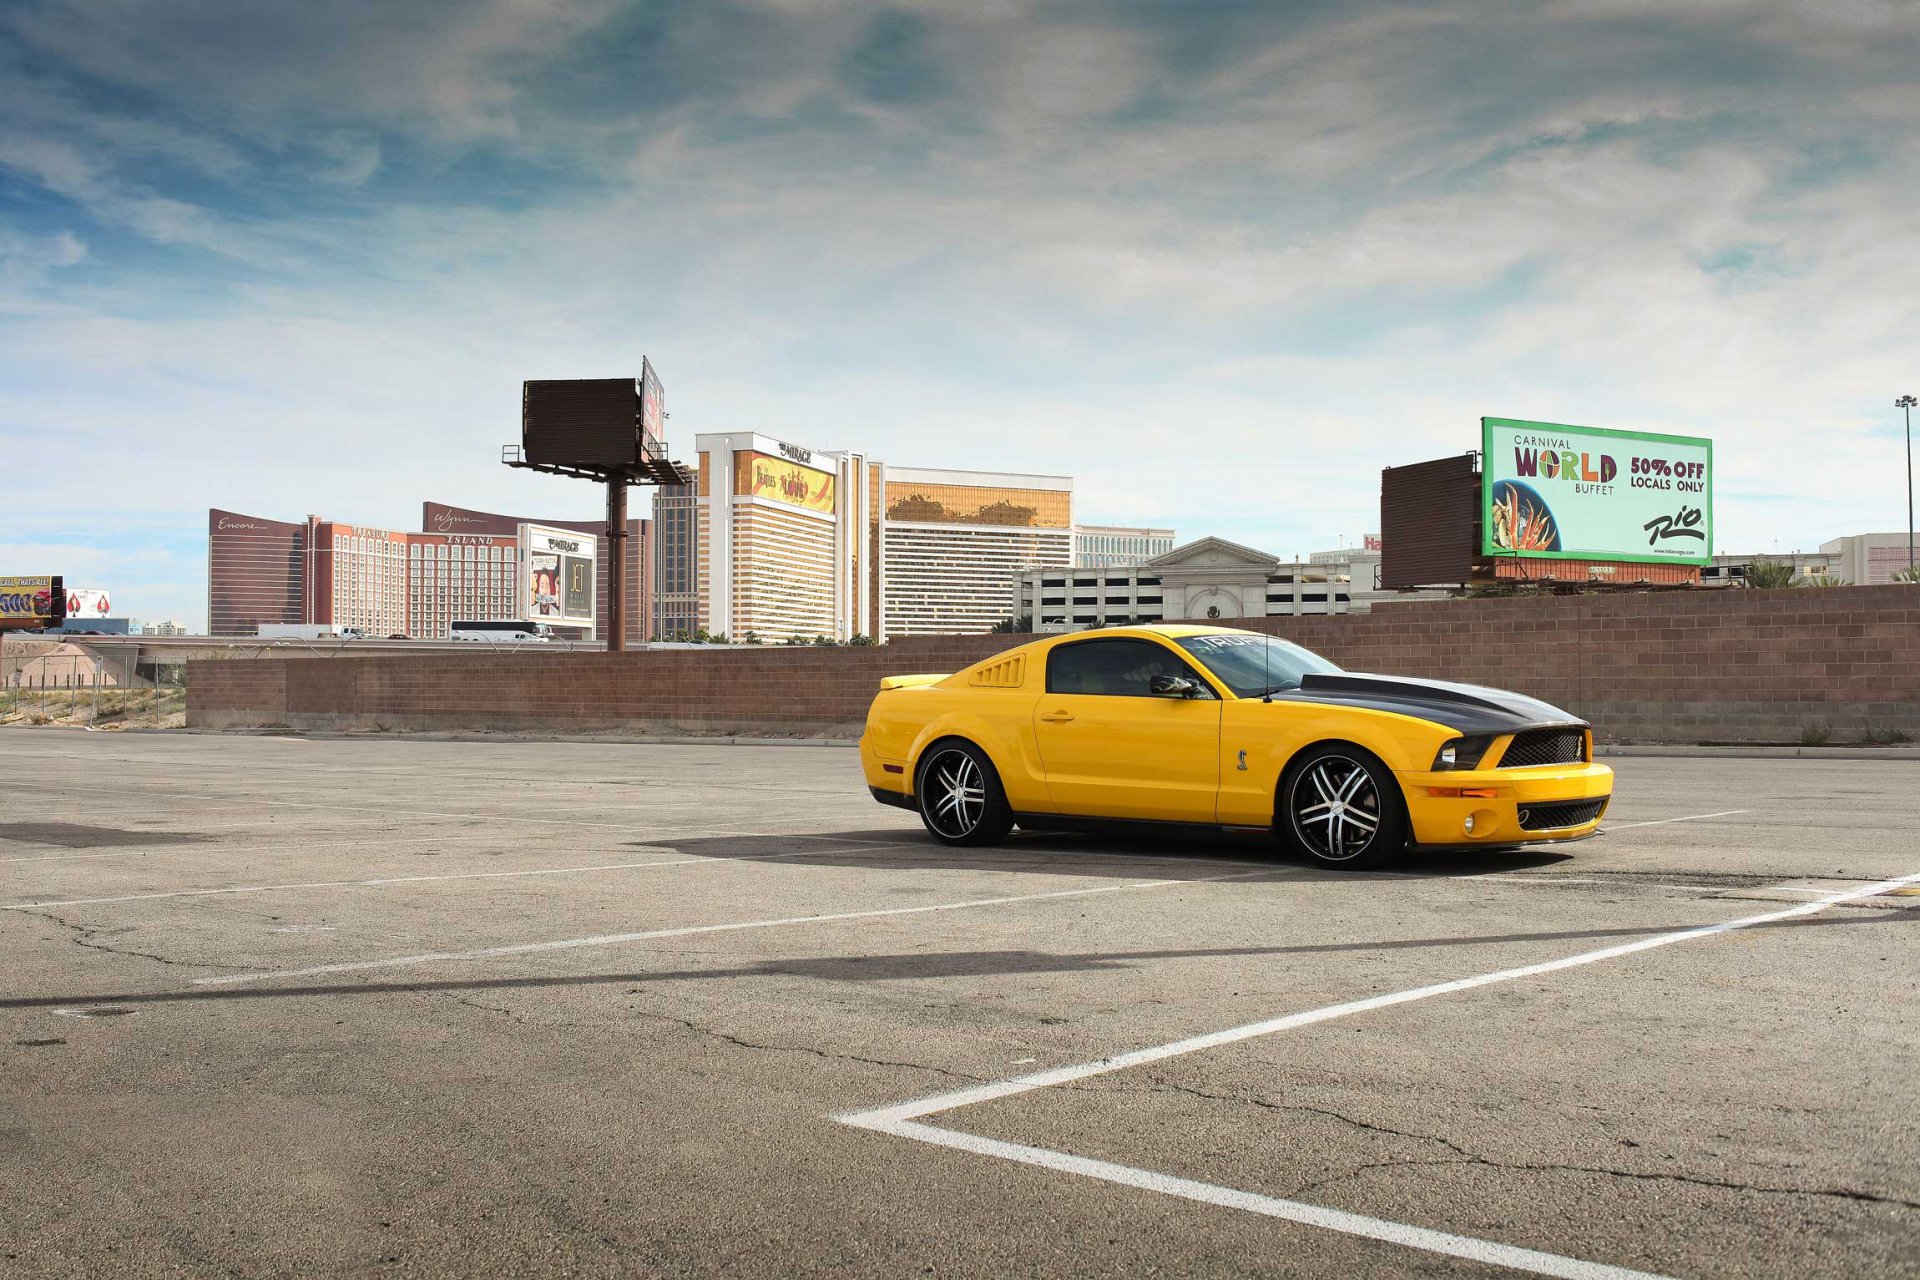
x=1225 y=728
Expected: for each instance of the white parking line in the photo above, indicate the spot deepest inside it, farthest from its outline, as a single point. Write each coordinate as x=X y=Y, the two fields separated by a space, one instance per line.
x=903 y=1119
x=1661 y=822
x=1549 y=880
x=463 y=875
x=614 y=939
x=1352 y=1224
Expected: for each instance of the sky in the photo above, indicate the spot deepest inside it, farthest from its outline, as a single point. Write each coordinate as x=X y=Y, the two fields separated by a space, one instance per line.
x=1220 y=262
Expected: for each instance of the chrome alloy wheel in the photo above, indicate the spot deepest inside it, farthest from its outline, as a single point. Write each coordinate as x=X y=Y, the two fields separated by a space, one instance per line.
x=954 y=794
x=1336 y=810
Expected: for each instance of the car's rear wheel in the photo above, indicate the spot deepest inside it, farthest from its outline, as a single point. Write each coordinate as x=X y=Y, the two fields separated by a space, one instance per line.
x=960 y=797
x=1341 y=807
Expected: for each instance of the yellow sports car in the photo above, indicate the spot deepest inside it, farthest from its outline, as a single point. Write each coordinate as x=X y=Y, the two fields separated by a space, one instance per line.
x=1224 y=728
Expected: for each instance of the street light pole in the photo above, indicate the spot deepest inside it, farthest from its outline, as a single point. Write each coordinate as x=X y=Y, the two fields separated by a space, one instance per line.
x=1907 y=403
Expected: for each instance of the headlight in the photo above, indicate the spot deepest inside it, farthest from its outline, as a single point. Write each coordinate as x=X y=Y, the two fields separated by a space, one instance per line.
x=1462 y=753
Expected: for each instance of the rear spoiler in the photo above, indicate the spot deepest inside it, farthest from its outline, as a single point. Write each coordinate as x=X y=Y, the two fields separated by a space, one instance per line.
x=908 y=682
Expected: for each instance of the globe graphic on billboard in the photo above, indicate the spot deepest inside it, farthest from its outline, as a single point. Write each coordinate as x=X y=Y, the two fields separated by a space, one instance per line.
x=1519 y=518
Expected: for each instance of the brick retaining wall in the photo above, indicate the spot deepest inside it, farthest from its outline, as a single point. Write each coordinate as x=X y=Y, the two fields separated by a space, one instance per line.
x=1723 y=666
x=1681 y=666
x=805 y=691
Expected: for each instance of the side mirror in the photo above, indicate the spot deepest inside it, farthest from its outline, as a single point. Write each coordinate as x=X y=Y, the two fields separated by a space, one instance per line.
x=1172 y=687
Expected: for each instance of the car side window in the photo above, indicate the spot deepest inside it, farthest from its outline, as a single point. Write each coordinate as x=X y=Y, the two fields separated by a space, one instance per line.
x=1114 y=668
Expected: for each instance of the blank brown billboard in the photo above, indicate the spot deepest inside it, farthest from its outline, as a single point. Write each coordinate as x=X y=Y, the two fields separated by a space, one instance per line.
x=1427 y=512
x=581 y=422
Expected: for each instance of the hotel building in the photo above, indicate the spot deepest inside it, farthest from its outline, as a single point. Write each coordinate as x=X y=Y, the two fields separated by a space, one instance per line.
x=797 y=543
x=676 y=561
x=950 y=540
x=1108 y=546
x=1211 y=580
x=782 y=536
x=257 y=572
x=384 y=581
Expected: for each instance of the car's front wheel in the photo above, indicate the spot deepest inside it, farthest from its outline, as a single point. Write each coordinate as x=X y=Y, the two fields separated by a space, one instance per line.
x=960 y=797
x=1341 y=807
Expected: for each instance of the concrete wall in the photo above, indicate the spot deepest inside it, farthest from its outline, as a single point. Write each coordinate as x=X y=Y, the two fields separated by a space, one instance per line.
x=1680 y=666
x=804 y=691
x=1725 y=666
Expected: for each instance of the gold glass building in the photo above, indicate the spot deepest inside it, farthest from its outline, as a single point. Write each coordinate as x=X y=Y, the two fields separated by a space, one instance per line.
x=950 y=541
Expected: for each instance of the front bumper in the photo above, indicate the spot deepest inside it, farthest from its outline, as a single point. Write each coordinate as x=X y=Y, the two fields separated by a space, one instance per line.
x=1486 y=806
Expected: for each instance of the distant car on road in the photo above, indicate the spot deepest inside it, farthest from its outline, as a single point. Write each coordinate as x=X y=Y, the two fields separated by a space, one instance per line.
x=1209 y=726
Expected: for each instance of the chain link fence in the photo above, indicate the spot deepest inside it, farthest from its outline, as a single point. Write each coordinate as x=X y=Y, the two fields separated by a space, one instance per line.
x=67 y=685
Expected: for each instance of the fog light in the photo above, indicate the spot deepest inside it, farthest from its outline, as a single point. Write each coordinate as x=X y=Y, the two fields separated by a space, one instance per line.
x=1469 y=825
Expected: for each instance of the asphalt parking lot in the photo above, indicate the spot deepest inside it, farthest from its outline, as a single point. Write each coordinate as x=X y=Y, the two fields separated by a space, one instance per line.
x=279 y=1006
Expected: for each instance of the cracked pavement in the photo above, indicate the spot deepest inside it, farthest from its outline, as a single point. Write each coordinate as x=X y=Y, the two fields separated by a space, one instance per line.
x=1737 y=1106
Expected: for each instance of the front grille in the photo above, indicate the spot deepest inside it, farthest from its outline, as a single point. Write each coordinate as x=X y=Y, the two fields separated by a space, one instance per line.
x=1545 y=746
x=1556 y=817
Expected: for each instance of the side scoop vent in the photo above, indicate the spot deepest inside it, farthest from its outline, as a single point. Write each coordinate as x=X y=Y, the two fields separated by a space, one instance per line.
x=1007 y=673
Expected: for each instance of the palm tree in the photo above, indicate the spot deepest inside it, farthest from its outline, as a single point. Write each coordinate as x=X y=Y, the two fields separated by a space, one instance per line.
x=1770 y=575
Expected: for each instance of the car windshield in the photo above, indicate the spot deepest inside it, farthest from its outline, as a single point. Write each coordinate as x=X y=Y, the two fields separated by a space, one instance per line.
x=1253 y=666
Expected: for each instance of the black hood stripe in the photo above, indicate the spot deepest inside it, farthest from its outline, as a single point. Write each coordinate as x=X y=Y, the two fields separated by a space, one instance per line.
x=1465 y=708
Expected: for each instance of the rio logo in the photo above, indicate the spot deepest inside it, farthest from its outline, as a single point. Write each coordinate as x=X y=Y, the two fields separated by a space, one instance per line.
x=1684 y=523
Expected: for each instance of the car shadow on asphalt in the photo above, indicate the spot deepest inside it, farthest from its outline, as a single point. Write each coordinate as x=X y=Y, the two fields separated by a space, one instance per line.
x=1102 y=854
x=911 y=965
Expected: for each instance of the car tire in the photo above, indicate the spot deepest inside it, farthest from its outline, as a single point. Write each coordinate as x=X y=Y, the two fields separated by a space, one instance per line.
x=959 y=796
x=1341 y=807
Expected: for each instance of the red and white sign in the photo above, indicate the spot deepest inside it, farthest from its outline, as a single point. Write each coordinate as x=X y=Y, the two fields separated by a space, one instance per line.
x=1373 y=542
x=85 y=603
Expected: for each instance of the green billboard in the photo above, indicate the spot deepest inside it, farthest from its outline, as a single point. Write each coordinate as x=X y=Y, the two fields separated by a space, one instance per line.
x=1555 y=492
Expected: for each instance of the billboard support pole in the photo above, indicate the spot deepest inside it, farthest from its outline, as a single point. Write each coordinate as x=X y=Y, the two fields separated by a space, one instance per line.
x=616 y=564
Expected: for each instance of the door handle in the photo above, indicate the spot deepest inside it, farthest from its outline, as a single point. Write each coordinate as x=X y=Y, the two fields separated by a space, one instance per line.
x=1056 y=717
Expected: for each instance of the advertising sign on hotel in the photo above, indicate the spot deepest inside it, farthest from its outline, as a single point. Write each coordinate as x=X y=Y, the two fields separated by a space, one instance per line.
x=1558 y=492
x=653 y=409
x=783 y=480
x=557 y=575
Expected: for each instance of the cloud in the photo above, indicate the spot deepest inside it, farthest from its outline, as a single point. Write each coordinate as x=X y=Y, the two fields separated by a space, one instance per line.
x=446 y=67
x=32 y=255
x=348 y=159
